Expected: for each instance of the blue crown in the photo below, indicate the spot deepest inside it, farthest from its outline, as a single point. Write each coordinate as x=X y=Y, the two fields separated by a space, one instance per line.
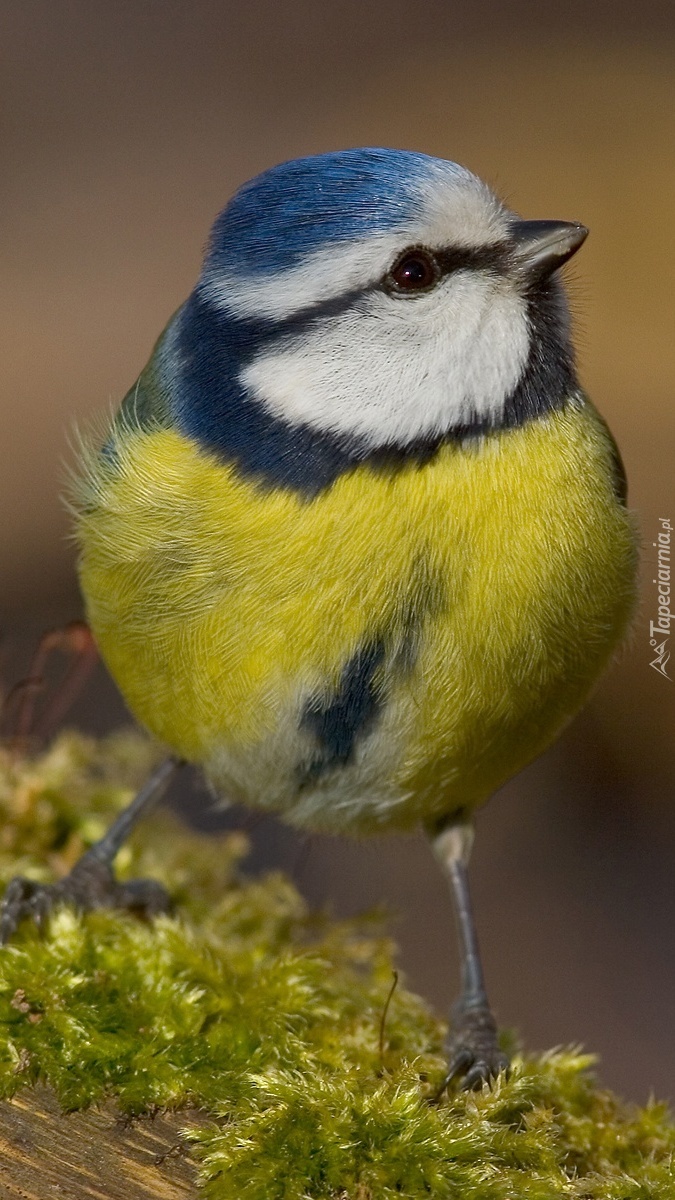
x=279 y=217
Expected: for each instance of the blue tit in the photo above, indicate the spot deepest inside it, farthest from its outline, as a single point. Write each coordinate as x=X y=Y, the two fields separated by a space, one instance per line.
x=356 y=543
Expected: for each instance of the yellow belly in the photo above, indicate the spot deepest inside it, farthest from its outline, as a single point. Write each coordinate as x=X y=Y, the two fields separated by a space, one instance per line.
x=500 y=577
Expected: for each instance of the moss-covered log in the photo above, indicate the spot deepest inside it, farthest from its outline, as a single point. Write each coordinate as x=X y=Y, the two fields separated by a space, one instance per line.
x=257 y=1030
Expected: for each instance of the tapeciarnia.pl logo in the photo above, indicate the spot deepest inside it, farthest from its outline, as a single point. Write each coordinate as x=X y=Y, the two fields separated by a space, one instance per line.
x=661 y=625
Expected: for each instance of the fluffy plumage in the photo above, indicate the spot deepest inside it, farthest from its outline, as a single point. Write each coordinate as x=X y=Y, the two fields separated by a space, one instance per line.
x=359 y=554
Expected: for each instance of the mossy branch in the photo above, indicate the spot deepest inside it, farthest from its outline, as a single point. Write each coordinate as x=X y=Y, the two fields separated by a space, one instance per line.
x=256 y=1029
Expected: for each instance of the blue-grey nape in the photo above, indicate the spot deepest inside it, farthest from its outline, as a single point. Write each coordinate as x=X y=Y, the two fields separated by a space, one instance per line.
x=205 y=357
x=287 y=212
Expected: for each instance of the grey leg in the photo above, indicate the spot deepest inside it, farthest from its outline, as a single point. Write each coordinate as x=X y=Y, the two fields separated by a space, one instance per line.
x=91 y=883
x=474 y=1051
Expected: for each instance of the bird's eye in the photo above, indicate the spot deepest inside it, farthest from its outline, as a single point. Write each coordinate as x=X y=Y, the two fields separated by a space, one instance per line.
x=414 y=271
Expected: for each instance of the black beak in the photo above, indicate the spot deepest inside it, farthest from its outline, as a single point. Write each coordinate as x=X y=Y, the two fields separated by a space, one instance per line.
x=541 y=247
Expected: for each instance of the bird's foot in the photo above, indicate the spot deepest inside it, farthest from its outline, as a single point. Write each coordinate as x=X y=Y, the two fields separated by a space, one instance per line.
x=474 y=1053
x=91 y=884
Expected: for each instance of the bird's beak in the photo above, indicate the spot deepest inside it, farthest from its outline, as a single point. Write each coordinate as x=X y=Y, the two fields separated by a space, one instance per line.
x=541 y=247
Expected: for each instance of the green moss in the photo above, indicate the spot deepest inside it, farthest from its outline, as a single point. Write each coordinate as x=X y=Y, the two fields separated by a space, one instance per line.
x=269 y=1020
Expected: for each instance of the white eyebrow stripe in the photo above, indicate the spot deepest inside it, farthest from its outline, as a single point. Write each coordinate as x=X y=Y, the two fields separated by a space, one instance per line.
x=470 y=217
x=323 y=275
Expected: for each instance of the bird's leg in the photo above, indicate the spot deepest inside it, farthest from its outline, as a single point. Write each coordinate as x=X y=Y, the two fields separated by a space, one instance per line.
x=91 y=883
x=474 y=1052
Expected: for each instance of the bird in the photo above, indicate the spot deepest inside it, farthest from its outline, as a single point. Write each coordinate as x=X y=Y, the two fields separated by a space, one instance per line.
x=356 y=542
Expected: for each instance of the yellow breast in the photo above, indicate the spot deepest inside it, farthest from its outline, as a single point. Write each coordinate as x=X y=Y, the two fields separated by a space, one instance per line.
x=497 y=579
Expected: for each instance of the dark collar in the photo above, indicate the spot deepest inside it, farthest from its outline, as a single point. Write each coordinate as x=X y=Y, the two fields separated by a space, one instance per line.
x=210 y=405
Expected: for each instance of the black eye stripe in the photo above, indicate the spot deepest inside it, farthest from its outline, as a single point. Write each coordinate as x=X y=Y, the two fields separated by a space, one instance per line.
x=479 y=258
x=495 y=258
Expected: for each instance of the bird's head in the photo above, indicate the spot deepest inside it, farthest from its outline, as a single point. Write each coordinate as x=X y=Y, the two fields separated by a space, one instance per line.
x=380 y=298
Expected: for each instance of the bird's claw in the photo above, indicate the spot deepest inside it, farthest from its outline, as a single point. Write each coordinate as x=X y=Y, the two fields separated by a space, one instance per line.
x=91 y=884
x=474 y=1051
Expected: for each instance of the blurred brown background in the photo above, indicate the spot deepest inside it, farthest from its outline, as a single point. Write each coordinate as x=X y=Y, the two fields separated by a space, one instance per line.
x=125 y=127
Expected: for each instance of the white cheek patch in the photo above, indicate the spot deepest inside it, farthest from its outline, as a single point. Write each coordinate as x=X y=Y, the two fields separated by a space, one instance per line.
x=395 y=369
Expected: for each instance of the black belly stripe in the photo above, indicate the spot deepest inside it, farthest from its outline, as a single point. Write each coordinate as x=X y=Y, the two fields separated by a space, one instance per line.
x=337 y=721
